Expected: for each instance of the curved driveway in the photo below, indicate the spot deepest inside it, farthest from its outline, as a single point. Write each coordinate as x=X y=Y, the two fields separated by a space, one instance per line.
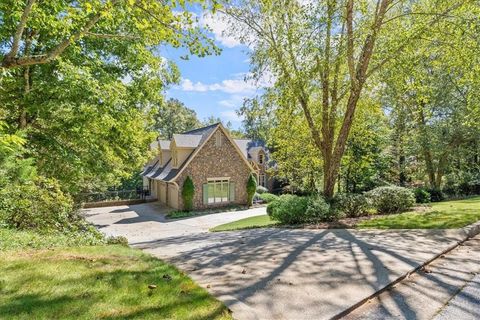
x=276 y=273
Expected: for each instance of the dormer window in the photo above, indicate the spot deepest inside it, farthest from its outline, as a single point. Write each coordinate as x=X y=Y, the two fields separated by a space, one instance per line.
x=261 y=158
x=218 y=139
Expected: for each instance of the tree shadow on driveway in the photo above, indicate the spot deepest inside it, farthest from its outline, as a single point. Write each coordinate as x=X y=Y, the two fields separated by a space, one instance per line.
x=285 y=273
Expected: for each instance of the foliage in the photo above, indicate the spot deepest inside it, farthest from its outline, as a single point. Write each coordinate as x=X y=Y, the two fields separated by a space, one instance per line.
x=391 y=199
x=39 y=204
x=365 y=162
x=85 y=80
x=14 y=239
x=263 y=221
x=120 y=240
x=442 y=215
x=99 y=281
x=319 y=210
x=422 y=195
x=251 y=189
x=351 y=204
x=188 y=191
x=268 y=197
x=174 y=117
x=436 y=195
x=261 y=189
x=292 y=209
x=323 y=57
x=289 y=209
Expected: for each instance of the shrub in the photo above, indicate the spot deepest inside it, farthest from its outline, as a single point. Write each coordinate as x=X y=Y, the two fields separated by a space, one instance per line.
x=422 y=195
x=391 y=199
x=251 y=188
x=291 y=209
x=436 y=195
x=188 y=190
x=121 y=240
x=38 y=204
x=351 y=204
x=267 y=197
x=261 y=189
x=319 y=210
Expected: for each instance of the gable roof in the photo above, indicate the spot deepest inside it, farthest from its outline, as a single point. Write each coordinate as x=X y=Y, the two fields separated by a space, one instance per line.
x=167 y=173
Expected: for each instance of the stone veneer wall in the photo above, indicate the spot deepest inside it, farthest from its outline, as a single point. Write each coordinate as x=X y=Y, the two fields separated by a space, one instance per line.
x=216 y=162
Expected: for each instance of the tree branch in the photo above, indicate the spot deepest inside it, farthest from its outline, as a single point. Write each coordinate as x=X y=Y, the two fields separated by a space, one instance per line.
x=18 y=33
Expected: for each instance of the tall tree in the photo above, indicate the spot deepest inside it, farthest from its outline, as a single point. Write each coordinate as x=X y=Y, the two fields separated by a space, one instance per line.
x=82 y=81
x=174 y=117
x=323 y=53
x=432 y=85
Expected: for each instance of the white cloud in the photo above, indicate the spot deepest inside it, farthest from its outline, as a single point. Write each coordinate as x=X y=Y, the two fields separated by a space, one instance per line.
x=231 y=116
x=234 y=101
x=219 y=23
x=227 y=86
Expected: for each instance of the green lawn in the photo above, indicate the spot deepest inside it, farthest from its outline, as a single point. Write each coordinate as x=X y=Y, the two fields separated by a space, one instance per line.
x=247 y=223
x=98 y=282
x=442 y=215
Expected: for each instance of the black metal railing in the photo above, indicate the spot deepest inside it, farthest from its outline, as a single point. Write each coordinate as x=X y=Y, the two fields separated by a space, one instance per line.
x=115 y=195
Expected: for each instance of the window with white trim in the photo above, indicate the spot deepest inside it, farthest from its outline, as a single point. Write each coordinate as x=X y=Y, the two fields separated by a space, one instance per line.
x=218 y=191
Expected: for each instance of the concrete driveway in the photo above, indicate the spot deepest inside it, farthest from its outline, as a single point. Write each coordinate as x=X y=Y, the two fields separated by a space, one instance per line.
x=277 y=273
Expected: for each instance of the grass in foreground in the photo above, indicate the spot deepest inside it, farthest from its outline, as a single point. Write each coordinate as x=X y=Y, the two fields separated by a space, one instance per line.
x=99 y=282
x=442 y=215
x=247 y=223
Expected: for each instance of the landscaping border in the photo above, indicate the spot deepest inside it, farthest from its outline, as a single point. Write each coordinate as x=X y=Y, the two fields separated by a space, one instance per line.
x=470 y=232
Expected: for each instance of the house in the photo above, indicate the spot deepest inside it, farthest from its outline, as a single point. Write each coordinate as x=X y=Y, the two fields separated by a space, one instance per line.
x=218 y=165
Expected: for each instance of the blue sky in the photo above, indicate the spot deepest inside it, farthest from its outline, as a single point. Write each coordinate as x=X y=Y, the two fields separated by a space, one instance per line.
x=213 y=85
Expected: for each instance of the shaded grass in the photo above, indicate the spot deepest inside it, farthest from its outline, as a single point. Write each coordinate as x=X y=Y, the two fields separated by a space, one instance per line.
x=99 y=282
x=442 y=215
x=16 y=239
x=247 y=223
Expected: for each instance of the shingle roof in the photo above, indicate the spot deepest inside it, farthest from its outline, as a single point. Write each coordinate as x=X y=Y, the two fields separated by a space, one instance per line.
x=243 y=145
x=187 y=140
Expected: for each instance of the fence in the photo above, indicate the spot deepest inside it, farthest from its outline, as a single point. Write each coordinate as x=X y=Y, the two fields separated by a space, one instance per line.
x=112 y=196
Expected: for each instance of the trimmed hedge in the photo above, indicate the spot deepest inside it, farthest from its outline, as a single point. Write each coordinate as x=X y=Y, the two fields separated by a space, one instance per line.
x=351 y=204
x=251 y=189
x=188 y=191
x=291 y=209
x=391 y=199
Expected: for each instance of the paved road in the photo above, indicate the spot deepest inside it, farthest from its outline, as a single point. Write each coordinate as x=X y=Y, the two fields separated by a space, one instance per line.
x=449 y=288
x=277 y=273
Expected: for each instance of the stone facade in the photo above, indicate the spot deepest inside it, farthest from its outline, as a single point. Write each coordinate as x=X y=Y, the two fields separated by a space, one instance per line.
x=214 y=161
